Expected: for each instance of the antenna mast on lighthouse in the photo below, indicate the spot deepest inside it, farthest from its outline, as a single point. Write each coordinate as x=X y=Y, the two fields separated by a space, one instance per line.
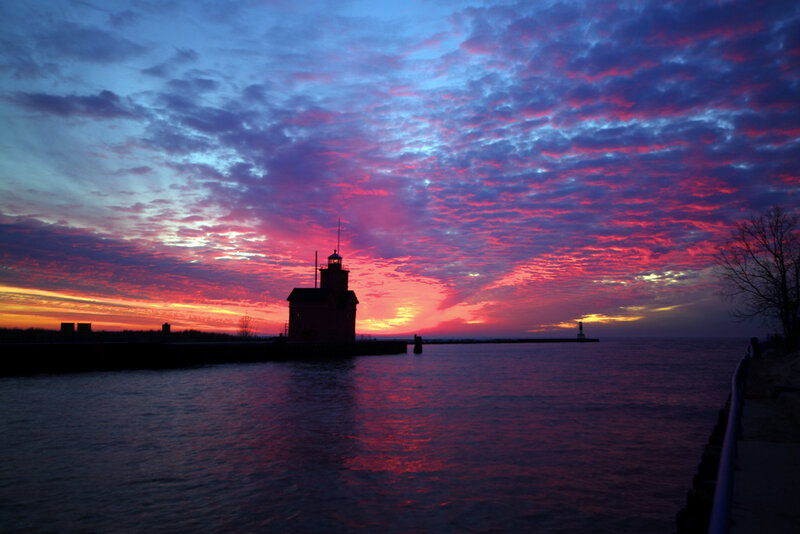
x=338 y=235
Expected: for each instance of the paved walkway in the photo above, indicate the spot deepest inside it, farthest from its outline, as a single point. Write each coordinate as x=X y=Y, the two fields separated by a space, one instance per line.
x=766 y=483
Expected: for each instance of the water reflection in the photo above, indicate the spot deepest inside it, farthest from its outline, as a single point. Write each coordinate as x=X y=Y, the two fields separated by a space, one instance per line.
x=306 y=439
x=457 y=440
x=400 y=425
x=319 y=422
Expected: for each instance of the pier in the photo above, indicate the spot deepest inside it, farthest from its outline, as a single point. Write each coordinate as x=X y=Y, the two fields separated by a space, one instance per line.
x=511 y=340
x=749 y=477
x=60 y=352
x=766 y=479
x=83 y=356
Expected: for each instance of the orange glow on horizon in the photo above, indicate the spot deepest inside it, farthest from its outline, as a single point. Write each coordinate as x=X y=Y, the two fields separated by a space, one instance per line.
x=391 y=303
x=32 y=308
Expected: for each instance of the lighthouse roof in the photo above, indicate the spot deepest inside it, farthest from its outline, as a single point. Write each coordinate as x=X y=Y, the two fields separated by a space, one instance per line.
x=334 y=256
x=322 y=295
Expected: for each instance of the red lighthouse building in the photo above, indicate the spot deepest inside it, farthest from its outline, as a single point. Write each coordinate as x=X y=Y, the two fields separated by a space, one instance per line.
x=325 y=313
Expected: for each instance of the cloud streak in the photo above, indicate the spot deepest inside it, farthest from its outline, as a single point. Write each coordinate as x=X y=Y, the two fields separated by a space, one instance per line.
x=530 y=164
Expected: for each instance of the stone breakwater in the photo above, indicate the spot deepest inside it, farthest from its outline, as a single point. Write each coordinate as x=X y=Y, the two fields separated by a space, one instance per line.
x=71 y=357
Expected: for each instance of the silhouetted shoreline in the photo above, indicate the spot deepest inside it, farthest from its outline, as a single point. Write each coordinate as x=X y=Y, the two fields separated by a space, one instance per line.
x=39 y=351
x=41 y=335
x=77 y=356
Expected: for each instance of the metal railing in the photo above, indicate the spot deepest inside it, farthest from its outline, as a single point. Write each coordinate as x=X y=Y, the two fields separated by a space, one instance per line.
x=721 y=506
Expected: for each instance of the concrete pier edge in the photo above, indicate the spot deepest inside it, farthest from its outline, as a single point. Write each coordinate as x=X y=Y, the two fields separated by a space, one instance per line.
x=708 y=500
x=756 y=483
x=54 y=358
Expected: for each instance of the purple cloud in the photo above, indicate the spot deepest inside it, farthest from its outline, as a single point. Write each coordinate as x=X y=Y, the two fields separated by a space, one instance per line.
x=71 y=40
x=104 y=105
x=569 y=147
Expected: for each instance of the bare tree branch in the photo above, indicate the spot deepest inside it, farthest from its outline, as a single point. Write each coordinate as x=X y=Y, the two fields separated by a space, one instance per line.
x=760 y=268
x=245 y=326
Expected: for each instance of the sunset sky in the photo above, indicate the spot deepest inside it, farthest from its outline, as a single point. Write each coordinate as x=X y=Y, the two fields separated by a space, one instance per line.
x=499 y=168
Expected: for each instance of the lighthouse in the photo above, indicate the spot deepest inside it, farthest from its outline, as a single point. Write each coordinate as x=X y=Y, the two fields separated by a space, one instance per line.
x=325 y=313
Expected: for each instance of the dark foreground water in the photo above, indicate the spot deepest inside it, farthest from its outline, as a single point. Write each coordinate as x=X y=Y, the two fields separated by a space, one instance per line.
x=465 y=438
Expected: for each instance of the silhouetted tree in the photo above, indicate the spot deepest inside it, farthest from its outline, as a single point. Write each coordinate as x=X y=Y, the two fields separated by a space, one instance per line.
x=245 y=326
x=760 y=268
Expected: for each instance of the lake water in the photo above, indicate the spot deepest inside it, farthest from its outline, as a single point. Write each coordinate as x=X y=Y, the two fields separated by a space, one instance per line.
x=595 y=437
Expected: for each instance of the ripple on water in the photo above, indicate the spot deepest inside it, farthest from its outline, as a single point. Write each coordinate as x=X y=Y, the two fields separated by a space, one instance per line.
x=552 y=438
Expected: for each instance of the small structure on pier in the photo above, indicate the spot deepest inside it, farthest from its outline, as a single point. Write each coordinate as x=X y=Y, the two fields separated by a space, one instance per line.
x=581 y=335
x=325 y=313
